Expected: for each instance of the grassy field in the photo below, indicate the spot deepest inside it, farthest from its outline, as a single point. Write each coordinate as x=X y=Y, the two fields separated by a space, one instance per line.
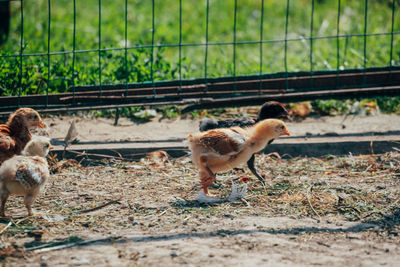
x=166 y=59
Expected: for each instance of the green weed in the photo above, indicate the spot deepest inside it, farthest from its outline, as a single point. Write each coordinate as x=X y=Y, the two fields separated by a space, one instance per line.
x=169 y=61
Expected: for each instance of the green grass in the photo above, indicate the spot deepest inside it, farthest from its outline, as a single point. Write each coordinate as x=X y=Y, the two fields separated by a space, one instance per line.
x=166 y=59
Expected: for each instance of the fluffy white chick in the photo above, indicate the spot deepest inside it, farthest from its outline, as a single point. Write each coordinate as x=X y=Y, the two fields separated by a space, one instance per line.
x=25 y=175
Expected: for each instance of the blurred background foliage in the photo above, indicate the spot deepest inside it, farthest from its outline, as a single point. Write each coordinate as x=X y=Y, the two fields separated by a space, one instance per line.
x=56 y=74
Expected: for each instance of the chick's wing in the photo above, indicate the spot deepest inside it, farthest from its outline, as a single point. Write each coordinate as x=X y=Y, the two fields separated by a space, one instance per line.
x=6 y=143
x=28 y=174
x=223 y=142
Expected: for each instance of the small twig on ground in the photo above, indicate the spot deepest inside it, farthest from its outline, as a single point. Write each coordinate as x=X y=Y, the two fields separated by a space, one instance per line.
x=13 y=222
x=21 y=220
x=245 y=202
x=309 y=202
x=81 y=154
x=52 y=159
x=101 y=206
x=119 y=154
x=162 y=213
x=276 y=154
x=72 y=244
x=6 y=227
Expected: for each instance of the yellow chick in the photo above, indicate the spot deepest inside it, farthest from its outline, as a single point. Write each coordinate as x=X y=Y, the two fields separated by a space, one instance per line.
x=25 y=175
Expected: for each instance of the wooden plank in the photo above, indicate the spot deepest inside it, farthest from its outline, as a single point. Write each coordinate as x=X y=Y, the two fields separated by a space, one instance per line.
x=301 y=88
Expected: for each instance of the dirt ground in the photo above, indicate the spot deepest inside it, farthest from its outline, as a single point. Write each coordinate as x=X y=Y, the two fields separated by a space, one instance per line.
x=339 y=211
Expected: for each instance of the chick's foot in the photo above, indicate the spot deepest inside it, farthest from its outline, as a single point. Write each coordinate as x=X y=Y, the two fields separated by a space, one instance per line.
x=205 y=198
x=236 y=193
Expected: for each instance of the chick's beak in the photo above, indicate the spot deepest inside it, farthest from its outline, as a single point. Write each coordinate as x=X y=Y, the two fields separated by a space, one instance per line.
x=51 y=147
x=285 y=114
x=40 y=124
x=286 y=132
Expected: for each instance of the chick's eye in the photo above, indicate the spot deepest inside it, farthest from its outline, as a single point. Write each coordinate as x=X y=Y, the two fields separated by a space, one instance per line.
x=282 y=127
x=46 y=145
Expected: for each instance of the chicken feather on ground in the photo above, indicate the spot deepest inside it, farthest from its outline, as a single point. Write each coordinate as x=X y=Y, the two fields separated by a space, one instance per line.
x=223 y=149
x=14 y=135
x=269 y=110
x=25 y=174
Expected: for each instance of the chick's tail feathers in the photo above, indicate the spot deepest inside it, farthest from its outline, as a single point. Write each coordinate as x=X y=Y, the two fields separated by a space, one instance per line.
x=188 y=141
x=189 y=138
x=192 y=139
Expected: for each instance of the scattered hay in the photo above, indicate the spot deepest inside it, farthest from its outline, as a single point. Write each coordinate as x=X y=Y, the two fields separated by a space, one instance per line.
x=7 y=250
x=159 y=194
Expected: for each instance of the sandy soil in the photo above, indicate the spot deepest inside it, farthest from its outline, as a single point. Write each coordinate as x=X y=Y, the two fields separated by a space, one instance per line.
x=247 y=241
x=101 y=129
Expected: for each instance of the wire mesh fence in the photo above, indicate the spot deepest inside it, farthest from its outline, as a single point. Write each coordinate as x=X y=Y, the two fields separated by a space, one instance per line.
x=70 y=54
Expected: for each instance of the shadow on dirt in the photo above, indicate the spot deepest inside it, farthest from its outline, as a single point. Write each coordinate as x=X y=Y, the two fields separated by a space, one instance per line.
x=192 y=204
x=387 y=223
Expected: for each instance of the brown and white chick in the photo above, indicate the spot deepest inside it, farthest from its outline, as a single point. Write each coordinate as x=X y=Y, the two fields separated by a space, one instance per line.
x=25 y=174
x=220 y=150
x=269 y=110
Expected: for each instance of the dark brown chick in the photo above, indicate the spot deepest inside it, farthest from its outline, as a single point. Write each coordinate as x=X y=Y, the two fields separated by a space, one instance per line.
x=14 y=135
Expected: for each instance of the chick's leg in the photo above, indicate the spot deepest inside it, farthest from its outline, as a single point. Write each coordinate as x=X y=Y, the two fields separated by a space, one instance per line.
x=206 y=180
x=250 y=164
x=28 y=200
x=4 y=196
x=207 y=177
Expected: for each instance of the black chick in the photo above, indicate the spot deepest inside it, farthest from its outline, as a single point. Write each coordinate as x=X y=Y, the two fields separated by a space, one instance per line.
x=211 y=123
x=269 y=110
